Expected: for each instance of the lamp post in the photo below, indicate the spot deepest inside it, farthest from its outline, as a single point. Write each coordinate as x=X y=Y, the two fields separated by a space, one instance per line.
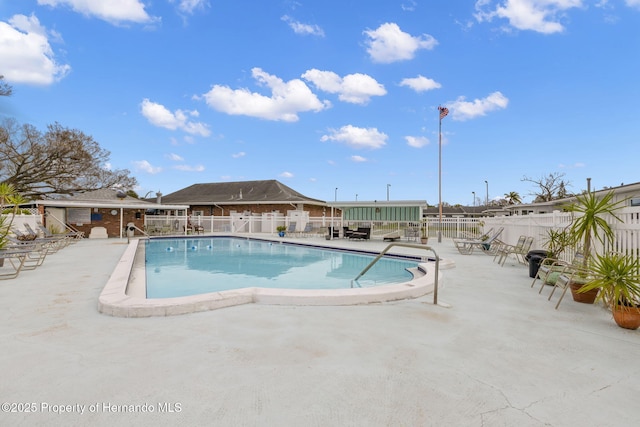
x=335 y=199
x=474 y=198
x=487 y=199
x=388 y=185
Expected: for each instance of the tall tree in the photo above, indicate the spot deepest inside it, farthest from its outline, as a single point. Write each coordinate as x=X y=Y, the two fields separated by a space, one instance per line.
x=59 y=161
x=5 y=89
x=550 y=187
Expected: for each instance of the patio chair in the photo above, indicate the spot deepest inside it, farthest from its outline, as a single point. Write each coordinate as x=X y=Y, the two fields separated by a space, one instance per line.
x=73 y=235
x=291 y=229
x=551 y=268
x=346 y=232
x=12 y=262
x=55 y=241
x=466 y=246
x=362 y=233
x=519 y=250
x=36 y=251
x=307 y=231
x=335 y=234
x=569 y=274
x=412 y=233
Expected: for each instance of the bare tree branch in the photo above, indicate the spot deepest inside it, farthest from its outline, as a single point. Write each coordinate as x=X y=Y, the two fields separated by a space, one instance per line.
x=550 y=187
x=5 y=88
x=59 y=161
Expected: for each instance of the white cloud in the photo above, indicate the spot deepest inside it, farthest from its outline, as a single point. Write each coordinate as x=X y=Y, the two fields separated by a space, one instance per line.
x=145 y=166
x=286 y=175
x=238 y=155
x=160 y=116
x=175 y=157
x=465 y=110
x=189 y=6
x=354 y=88
x=390 y=44
x=358 y=159
x=286 y=101
x=188 y=168
x=420 y=83
x=304 y=29
x=633 y=3
x=542 y=16
x=113 y=11
x=26 y=54
x=409 y=6
x=357 y=137
x=416 y=141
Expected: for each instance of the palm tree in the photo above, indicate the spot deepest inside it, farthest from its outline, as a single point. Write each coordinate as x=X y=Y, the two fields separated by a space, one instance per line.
x=513 y=198
x=591 y=221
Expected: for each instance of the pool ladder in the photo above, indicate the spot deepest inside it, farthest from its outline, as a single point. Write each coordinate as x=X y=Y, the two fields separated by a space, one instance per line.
x=406 y=245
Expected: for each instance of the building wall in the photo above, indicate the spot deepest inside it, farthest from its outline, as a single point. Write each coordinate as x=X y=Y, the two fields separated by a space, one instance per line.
x=102 y=217
x=258 y=209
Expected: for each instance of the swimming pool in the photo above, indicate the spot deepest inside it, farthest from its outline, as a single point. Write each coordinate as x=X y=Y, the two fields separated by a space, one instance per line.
x=181 y=267
x=124 y=294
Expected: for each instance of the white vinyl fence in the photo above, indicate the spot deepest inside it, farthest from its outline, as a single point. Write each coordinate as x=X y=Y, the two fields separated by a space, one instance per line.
x=627 y=231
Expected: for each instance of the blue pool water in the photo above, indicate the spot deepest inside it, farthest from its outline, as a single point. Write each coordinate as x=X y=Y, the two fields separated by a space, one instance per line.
x=181 y=267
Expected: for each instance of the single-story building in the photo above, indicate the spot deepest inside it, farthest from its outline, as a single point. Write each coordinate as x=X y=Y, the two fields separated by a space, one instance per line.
x=630 y=193
x=106 y=208
x=244 y=197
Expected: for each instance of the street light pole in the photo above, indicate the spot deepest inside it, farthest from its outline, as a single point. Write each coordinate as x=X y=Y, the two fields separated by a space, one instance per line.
x=474 y=198
x=388 y=185
x=487 y=199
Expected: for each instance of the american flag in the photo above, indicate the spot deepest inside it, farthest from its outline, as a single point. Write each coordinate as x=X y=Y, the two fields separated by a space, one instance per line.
x=443 y=112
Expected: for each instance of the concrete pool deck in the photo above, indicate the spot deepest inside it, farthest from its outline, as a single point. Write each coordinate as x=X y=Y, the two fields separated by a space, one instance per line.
x=499 y=356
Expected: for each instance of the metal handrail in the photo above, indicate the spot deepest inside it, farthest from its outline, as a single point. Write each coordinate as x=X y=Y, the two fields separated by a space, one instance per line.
x=406 y=245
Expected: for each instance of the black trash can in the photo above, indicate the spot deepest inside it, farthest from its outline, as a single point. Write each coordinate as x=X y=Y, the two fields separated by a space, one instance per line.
x=540 y=252
x=534 y=264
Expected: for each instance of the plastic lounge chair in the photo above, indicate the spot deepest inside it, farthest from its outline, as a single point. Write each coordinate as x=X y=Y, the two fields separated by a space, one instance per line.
x=466 y=246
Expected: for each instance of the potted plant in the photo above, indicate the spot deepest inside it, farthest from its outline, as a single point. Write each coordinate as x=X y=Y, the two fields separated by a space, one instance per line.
x=557 y=241
x=281 y=230
x=617 y=277
x=424 y=238
x=591 y=224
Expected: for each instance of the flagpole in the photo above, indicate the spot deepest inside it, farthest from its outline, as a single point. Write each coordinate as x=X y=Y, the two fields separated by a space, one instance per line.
x=440 y=175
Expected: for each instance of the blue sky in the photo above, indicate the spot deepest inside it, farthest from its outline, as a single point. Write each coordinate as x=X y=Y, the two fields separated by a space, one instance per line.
x=337 y=94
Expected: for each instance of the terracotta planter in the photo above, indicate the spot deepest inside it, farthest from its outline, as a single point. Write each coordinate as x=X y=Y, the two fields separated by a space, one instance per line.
x=424 y=240
x=586 y=297
x=627 y=317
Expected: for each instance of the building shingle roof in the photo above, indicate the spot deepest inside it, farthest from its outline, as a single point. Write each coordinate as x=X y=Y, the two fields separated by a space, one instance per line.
x=225 y=193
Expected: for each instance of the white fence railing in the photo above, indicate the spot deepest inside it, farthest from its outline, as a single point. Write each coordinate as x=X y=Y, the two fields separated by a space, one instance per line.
x=627 y=231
